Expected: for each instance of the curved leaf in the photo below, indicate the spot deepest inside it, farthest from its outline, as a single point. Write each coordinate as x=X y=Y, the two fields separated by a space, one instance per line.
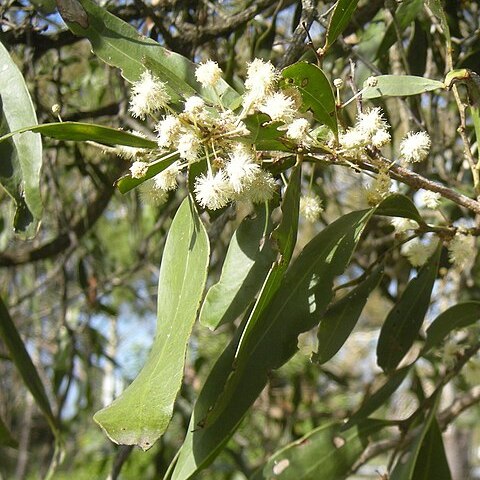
x=423 y=450
x=246 y=265
x=296 y=307
x=127 y=182
x=404 y=16
x=84 y=132
x=316 y=91
x=458 y=316
x=20 y=357
x=341 y=318
x=400 y=86
x=398 y=205
x=21 y=157
x=403 y=323
x=339 y=20
x=324 y=453
x=118 y=44
x=432 y=460
x=142 y=412
x=377 y=399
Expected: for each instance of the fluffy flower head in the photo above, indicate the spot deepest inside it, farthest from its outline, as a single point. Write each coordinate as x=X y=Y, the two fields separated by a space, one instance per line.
x=148 y=95
x=188 y=146
x=370 y=121
x=461 y=249
x=167 y=179
x=261 y=189
x=241 y=170
x=430 y=199
x=298 y=130
x=418 y=252
x=208 y=73
x=403 y=225
x=261 y=78
x=138 y=169
x=311 y=207
x=279 y=107
x=167 y=129
x=213 y=191
x=415 y=147
x=194 y=104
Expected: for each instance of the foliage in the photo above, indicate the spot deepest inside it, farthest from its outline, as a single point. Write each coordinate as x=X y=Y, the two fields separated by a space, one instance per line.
x=308 y=207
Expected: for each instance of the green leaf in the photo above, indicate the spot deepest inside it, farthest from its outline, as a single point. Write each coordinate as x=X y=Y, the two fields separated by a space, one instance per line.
x=127 y=182
x=241 y=374
x=316 y=91
x=244 y=270
x=406 y=467
x=264 y=134
x=85 y=132
x=437 y=9
x=397 y=205
x=119 y=44
x=339 y=20
x=341 y=318
x=45 y=6
x=325 y=453
x=459 y=316
x=20 y=357
x=6 y=438
x=406 y=13
x=432 y=461
x=22 y=157
x=403 y=322
x=377 y=399
x=143 y=411
x=400 y=86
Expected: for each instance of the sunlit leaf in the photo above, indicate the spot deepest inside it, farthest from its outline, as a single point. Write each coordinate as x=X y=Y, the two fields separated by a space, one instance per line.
x=316 y=91
x=86 y=132
x=239 y=375
x=339 y=20
x=400 y=86
x=245 y=267
x=118 y=44
x=140 y=415
x=22 y=156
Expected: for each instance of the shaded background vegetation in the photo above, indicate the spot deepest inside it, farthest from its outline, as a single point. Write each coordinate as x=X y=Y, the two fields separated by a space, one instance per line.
x=82 y=293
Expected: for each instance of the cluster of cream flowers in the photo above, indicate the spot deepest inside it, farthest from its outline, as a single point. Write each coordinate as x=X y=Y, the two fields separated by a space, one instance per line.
x=234 y=169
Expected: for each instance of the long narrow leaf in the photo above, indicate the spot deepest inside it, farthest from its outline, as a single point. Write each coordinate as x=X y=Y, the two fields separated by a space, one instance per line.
x=143 y=411
x=244 y=270
x=20 y=357
x=296 y=307
x=21 y=158
x=403 y=322
x=83 y=132
x=6 y=437
x=341 y=318
x=118 y=44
